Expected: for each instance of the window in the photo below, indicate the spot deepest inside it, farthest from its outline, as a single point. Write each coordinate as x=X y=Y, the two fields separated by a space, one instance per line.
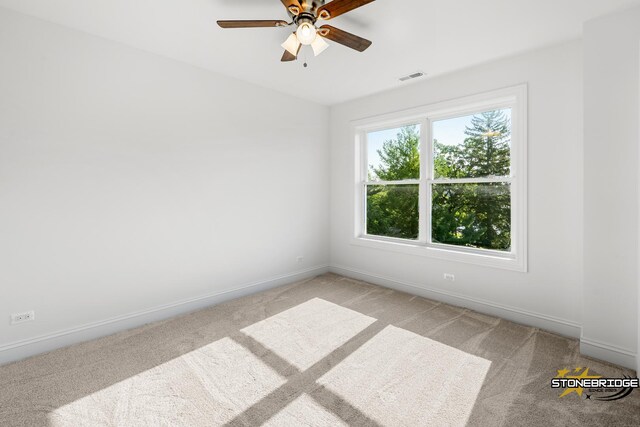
x=446 y=180
x=393 y=181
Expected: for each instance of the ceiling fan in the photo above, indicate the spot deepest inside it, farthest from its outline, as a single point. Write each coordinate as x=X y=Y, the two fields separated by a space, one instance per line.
x=304 y=14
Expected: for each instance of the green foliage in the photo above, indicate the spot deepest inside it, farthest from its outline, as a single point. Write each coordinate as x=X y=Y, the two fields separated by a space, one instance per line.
x=473 y=215
x=392 y=210
x=484 y=152
x=400 y=157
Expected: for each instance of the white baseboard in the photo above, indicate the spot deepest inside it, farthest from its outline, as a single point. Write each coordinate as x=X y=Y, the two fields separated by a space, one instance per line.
x=608 y=352
x=537 y=320
x=588 y=347
x=25 y=348
x=29 y=347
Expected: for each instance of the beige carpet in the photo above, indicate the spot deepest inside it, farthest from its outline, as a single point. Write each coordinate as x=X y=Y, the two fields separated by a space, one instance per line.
x=325 y=352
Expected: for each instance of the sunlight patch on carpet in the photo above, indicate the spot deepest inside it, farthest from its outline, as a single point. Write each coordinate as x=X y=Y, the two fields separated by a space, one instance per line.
x=306 y=333
x=395 y=378
x=213 y=383
x=401 y=378
x=233 y=376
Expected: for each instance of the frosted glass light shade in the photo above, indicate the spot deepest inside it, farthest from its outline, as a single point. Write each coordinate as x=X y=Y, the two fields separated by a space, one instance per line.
x=291 y=45
x=306 y=33
x=319 y=45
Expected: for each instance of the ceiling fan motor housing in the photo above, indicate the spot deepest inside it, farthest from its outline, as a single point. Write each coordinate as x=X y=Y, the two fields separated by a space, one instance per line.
x=309 y=11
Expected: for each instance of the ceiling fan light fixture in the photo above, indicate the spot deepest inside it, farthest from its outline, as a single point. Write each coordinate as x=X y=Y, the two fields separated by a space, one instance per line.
x=292 y=44
x=304 y=14
x=306 y=33
x=319 y=46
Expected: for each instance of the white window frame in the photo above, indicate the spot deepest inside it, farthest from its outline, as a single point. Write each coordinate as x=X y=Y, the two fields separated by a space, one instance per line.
x=514 y=98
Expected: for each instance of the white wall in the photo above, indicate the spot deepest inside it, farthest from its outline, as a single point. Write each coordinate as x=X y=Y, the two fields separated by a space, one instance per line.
x=129 y=181
x=611 y=88
x=549 y=295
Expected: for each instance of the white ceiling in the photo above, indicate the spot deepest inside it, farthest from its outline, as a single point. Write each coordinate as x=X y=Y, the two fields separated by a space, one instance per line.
x=434 y=36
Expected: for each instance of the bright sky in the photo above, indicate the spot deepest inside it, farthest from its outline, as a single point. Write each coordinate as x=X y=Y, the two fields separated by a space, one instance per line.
x=449 y=131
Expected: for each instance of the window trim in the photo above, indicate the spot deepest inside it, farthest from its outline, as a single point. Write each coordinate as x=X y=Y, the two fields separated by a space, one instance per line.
x=512 y=97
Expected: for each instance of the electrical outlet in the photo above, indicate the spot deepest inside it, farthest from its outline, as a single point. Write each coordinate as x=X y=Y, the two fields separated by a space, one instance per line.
x=299 y=259
x=27 y=316
x=450 y=277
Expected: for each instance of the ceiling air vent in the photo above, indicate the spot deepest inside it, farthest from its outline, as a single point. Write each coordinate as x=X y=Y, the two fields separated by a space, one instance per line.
x=412 y=76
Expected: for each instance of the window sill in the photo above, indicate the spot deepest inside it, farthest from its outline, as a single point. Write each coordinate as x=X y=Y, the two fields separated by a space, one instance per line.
x=508 y=261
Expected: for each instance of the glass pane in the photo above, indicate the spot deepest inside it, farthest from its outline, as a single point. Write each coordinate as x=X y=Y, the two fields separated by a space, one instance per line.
x=472 y=215
x=392 y=211
x=473 y=146
x=394 y=154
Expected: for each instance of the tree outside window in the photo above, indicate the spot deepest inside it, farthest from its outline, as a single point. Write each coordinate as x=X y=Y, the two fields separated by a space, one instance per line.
x=470 y=185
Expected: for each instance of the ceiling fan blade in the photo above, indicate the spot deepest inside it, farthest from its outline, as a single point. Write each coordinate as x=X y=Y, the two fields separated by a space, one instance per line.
x=338 y=7
x=293 y=6
x=253 y=23
x=287 y=56
x=339 y=36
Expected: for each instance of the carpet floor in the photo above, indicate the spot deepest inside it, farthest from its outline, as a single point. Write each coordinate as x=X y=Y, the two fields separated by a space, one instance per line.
x=328 y=351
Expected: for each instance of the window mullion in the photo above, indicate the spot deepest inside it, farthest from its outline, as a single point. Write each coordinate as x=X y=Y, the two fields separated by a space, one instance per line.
x=487 y=180
x=402 y=182
x=363 y=178
x=363 y=206
x=426 y=172
x=364 y=158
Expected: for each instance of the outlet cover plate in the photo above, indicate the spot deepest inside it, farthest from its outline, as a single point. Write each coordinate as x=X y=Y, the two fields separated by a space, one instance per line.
x=26 y=316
